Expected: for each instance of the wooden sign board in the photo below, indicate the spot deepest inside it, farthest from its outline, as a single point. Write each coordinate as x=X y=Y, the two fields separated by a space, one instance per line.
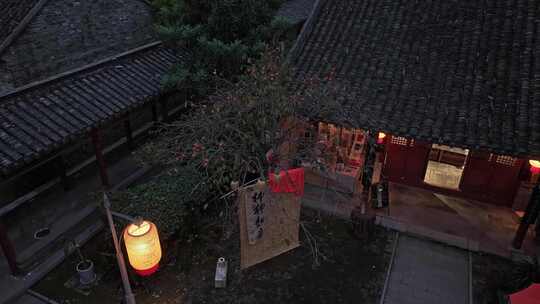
x=279 y=231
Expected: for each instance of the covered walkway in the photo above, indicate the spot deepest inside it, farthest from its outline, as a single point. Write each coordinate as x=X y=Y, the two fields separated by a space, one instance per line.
x=465 y=223
x=455 y=221
x=68 y=216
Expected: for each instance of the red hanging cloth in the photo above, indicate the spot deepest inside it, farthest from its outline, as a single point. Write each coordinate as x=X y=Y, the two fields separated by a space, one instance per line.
x=289 y=181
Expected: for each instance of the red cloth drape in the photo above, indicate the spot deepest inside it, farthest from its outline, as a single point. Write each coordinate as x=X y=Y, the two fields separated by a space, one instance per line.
x=289 y=181
x=530 y=295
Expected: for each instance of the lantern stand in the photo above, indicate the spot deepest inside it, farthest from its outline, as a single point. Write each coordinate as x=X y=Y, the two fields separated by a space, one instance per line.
x=128 y=293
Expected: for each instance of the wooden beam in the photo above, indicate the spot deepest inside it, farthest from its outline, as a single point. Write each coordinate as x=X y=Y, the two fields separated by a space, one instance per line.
x=530 y=216
x=100 y=159
x=39 y=162
x=8 y=207
x=62 y=171
x=9 y=250
x=42 y=188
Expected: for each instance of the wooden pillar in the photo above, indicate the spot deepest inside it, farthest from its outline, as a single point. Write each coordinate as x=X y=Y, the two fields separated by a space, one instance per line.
x=98 y=150
x=537 y=230
x=530 y=216
x=155 y=117
x=129 y=133
x=369 y=163
x=9 y=250
x=62 y=171
x=535 y=178
x=164 y=110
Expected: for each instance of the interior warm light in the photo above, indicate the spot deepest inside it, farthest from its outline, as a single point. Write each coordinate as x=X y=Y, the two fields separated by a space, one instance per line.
x=143 y=247
x=381 y=137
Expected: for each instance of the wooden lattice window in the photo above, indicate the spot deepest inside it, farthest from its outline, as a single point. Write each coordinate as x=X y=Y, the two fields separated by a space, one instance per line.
x=402 y=141
x=506 y=160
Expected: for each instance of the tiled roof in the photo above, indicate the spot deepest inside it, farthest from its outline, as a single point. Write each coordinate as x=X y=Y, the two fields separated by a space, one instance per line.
x=296 y=10
x=12 y=13
x=36 y=119
x=463 y=72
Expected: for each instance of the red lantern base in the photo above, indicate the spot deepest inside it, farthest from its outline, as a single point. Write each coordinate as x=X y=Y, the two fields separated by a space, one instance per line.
x=147 y=272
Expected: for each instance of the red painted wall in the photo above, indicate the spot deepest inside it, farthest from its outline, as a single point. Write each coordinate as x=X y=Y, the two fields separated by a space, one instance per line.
x=491 y=178
x=487 y=177
x=406 y=161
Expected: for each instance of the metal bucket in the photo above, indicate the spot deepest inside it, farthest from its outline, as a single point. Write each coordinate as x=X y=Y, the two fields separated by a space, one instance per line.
x=85 y=269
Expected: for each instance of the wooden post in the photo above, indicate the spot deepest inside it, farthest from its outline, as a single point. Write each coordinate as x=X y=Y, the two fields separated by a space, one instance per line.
x=164 y=110
x=98 y=150
x=369 y=164
x=537 y=230
x=155 y=117
x=129 y=133
x=535 y=178
x=531 y=213
x=9 y=250
x=62 y=171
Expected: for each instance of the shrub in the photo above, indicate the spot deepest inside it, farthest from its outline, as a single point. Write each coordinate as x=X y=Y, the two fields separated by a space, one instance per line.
x=171 y=200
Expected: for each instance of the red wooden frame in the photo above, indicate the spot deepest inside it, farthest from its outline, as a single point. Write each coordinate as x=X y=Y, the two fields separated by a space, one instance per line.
x=487 y=181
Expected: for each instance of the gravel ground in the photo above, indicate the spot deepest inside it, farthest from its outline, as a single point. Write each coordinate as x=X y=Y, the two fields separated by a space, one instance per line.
x=489 y=275
x=346 y=270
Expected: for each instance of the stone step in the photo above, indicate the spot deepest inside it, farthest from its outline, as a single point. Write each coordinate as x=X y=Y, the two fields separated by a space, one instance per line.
x=12 y=288
x=425 y=272
x=32 y=297
x=64 y=228
x=61 y=232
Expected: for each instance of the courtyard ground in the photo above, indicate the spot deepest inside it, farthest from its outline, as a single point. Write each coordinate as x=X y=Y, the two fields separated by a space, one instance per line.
x=344 y=269
x=426 y=272
x=490 y=273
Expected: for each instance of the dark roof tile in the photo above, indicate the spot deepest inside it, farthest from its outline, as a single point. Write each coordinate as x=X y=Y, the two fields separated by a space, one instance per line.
x=39 y=118
x=457 y=72
x=12 y=13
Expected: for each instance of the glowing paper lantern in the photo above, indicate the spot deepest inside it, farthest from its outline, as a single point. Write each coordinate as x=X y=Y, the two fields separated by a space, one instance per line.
x=381 y=137
x=535 y=166
x=143 y=247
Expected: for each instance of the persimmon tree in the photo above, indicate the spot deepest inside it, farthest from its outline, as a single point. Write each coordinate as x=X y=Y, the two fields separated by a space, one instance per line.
x=230 y=136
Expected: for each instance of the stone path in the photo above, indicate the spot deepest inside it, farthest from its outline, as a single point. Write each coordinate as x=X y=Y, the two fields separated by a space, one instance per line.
x=427 y=272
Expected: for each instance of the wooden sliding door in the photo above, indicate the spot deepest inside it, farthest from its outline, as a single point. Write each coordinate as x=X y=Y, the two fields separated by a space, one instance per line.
x=406 y=160
x=492 y=178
